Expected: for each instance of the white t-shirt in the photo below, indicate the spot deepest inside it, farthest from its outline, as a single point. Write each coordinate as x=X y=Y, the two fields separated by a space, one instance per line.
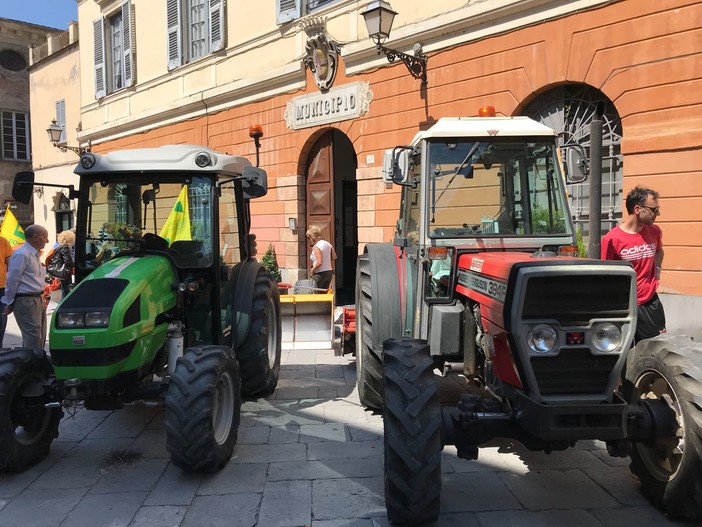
x=326 y=249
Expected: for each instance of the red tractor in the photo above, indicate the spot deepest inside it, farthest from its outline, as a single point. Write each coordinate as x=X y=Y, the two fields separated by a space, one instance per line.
x=482 y=275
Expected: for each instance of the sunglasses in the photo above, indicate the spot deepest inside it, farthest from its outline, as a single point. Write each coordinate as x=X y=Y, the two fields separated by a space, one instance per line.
x=652 y=210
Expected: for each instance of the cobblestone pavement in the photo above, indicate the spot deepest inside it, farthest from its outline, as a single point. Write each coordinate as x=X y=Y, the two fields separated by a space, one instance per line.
x=308 y=455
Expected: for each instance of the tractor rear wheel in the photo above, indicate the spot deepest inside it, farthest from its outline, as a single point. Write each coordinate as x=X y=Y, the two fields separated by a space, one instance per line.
x=412 y=433
x=203 y=409
x=259 y=354
x=27 y=427
x=369 y=362
x=668 y=369
x=378 y=318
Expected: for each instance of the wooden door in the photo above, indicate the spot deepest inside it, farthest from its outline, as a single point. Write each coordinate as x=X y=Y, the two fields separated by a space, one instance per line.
x=320 y=188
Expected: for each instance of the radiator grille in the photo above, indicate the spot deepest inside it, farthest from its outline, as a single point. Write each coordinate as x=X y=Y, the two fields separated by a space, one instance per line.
x=573 y=372
x=575 y=299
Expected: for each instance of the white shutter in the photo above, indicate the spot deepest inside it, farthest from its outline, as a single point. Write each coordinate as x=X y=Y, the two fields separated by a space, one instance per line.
x=127 y=46
x=61 y=119
x=287 y=10
x=175 y=52
x=217 y=25
x=99 y=57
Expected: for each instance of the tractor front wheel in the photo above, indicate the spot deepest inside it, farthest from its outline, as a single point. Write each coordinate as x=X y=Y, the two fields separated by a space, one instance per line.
x=27 y=426
x=667 y=371
x=203 y=409
x=412 y=433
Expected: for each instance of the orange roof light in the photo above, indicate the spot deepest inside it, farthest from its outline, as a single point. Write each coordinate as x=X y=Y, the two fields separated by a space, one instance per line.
x=487 y=111
x=437 y=253
x=255 y=131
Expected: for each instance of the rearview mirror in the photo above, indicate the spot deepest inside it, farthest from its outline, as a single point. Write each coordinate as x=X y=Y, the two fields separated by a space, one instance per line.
x=396 y=166
x=255 y=182
x=23 y=186
x=576 y=168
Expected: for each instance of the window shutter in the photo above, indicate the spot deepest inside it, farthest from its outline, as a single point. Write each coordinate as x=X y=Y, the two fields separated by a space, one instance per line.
x=217 y=25
x=127 y=46
x=175 y=52
x=61 y=119
x=99 y=57
x=287 y=10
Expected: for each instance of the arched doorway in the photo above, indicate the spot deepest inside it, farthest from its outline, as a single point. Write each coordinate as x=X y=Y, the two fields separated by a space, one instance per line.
x=331 y=196
x=569 y=109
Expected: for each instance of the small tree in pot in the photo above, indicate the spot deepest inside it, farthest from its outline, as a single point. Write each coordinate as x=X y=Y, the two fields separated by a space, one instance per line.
x=270 y=262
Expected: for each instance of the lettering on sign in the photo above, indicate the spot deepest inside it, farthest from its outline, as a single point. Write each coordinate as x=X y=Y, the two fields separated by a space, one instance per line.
x=493 y=288
x=338 y=104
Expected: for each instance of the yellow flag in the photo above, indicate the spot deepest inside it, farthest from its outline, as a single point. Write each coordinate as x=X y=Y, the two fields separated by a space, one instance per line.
x=11 y=230
x=177 y=226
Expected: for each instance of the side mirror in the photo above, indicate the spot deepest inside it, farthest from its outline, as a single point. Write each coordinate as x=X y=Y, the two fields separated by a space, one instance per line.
x=23 y=186
x=576 y=166
x=255 y=182
x=396 y=166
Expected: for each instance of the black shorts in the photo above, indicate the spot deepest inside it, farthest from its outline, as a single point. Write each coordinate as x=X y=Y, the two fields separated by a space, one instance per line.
x=651 y=319
x=323 y=279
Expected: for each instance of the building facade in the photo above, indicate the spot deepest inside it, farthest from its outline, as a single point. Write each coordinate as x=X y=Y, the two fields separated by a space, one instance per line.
x=55 y=96
x=16 y=41
x=203 y=72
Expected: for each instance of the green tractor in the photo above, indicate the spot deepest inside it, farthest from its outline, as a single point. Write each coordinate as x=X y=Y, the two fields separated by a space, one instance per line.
x=169 y=309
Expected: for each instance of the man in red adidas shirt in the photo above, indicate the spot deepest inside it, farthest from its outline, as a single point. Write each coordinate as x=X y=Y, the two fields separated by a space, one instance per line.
x=638 y=241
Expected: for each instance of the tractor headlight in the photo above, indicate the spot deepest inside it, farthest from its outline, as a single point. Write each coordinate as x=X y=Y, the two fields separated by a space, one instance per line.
x=70 y=320
x=91 y=319
x=97 y=319
x=606 y=336
x=542 y=338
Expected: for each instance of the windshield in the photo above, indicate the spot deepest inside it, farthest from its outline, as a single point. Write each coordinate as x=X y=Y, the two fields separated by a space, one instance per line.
x=501 y=187
x=120 y=214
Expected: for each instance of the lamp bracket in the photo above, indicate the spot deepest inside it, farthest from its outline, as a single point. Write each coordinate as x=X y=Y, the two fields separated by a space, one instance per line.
x=79 y=150
x=416 y=64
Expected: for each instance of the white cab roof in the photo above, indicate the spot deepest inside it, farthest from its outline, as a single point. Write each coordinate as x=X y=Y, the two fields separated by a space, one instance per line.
x=485 y=127
x=165 y=158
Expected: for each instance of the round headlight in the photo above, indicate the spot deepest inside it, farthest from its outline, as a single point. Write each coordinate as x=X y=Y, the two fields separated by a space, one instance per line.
x=203 y=159
x=87 y=161
x=542 y=338
x=606 y=336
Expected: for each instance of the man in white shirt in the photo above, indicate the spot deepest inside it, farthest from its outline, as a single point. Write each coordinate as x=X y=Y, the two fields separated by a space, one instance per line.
x=26 y=278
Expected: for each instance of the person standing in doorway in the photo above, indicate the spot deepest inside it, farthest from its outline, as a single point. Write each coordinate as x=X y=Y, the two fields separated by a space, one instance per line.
x=5 y=253
x=640 y=242
x=322 y=258
x=26 y=278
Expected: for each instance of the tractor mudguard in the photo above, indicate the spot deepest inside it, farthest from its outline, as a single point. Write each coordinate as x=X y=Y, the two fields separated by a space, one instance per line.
x=241 y=286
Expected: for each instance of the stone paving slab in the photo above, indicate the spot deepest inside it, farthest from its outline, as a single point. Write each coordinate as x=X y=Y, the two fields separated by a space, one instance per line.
x=308 y=455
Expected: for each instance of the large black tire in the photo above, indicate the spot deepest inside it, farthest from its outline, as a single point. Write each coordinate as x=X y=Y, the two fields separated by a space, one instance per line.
x=670 y=469
x=259 y=354
x=203 y=409
x=412 y=433
x=27 y=427
x=377 y=319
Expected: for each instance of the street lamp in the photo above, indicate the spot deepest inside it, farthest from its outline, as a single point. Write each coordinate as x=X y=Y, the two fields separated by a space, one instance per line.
x=54 y=132
x=378 y=17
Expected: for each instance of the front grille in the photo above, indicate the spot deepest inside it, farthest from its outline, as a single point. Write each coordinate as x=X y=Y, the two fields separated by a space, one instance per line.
x=573 y=372
x=575 y=299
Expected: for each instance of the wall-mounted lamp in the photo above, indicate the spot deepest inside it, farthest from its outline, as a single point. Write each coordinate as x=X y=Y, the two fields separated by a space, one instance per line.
x=54 y=132
x=292 y=223
x=379 y=17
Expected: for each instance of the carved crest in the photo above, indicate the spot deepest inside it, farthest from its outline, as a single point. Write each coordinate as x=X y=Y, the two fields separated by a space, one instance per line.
x=322 y=55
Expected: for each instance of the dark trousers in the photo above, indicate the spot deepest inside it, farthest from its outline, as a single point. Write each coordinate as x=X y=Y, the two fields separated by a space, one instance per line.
x=651 y=319
x=3 y=317
x=323 y=279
